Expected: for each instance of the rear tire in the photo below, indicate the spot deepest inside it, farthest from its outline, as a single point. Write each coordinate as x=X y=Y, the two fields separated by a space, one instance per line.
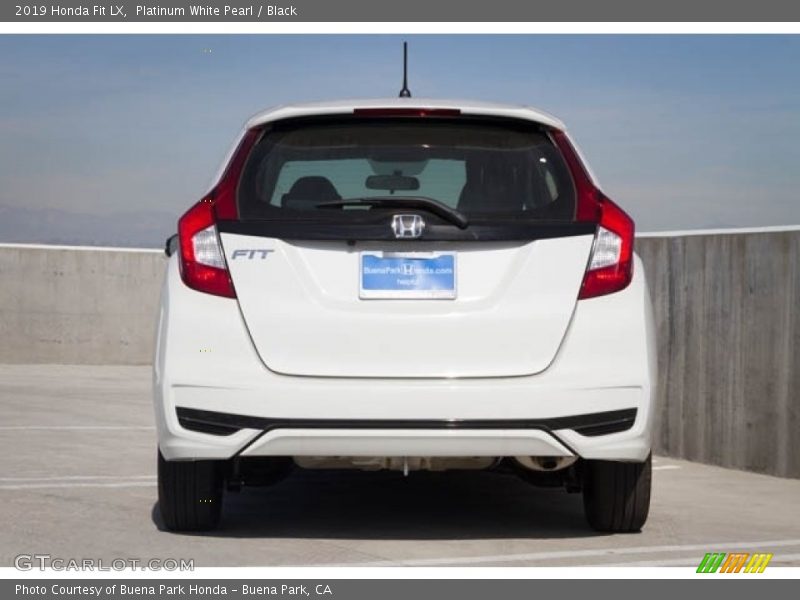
x=616 y=495
x=190 y=493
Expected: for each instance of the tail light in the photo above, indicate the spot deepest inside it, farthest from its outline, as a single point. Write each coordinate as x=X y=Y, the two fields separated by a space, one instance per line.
x=611 y=262
x=407 y=112
x=202 y=261
x=610 y=267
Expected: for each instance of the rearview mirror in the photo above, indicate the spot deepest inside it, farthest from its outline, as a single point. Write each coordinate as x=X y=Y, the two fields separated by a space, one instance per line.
x=392 y=182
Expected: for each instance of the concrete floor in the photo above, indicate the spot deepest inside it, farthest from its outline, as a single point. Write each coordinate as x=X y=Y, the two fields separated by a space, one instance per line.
x=77 y=479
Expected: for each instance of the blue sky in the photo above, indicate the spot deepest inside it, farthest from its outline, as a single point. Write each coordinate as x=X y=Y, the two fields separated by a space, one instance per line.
x=684 y=131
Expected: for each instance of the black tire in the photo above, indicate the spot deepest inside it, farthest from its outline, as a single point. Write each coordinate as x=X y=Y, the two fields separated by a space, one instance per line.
x=190 y=493
x=616 y=495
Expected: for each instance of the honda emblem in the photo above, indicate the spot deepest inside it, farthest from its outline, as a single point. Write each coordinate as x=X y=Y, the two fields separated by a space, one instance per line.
x=407 y=226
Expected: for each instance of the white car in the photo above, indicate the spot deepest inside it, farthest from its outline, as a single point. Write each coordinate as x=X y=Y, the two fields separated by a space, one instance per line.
x=405 y=284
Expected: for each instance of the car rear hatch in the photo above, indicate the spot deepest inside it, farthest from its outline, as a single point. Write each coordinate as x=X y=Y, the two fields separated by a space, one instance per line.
x=406 y=246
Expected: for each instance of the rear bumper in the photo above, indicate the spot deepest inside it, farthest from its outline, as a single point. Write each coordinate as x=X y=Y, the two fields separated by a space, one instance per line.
x=368 y=437
x=207 y=373
x=405 y=442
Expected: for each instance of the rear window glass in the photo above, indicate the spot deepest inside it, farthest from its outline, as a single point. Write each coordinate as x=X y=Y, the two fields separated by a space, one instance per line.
x=479 y=168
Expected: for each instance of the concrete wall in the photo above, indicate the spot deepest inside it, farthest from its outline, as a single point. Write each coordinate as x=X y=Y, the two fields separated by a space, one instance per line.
x=729 y=335
x=87 y=306
x=729 y=348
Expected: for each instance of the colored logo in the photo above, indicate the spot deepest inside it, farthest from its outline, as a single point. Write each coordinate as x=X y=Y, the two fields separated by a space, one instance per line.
x=735 y=562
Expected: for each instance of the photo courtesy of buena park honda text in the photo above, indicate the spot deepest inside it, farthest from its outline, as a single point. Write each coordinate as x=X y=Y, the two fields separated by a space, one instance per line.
x=344 y=299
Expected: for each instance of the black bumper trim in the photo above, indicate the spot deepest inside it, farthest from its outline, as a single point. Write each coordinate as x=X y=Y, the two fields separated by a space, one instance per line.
x=218 y=423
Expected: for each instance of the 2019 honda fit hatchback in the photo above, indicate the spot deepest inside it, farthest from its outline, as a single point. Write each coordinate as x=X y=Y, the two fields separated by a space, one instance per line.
x=405 y=284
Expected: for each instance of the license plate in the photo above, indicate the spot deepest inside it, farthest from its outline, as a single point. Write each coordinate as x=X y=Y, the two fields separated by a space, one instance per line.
x=408 y=276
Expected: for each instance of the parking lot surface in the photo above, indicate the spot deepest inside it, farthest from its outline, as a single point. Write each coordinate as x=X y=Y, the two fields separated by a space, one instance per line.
x=77 y=480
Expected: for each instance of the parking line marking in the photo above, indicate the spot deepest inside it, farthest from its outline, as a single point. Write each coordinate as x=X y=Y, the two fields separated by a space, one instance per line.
x=665 y=467
x=74 y=478
x=77 y=484
x=76 y=427
x=679 y=562
x=538 y=556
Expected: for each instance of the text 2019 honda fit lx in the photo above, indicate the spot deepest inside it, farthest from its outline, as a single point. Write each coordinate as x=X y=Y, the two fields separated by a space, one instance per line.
x=405 y=284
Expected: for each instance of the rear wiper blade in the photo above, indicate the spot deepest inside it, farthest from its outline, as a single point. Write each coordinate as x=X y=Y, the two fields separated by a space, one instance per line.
x=430 y=205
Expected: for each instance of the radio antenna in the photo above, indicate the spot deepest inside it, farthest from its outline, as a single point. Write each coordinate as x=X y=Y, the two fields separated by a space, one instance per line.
x=405 y=92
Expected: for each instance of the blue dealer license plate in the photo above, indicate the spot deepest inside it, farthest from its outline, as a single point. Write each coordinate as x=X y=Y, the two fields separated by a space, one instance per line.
x=408 y=276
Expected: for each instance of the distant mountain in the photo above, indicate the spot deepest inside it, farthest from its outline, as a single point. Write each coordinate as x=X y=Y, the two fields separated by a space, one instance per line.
x=143 y=229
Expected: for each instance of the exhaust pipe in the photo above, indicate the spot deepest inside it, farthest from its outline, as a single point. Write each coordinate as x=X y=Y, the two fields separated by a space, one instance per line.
x=546 y=463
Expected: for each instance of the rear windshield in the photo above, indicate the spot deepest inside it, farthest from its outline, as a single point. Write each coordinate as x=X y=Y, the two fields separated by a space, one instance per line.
x=483 y=169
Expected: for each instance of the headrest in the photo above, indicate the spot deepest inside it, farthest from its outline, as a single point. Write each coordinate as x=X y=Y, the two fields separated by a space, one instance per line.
x=309 y=191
